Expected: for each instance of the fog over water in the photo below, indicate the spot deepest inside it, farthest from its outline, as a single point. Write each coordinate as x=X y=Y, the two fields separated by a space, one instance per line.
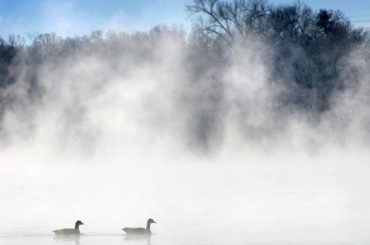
x=118 y=137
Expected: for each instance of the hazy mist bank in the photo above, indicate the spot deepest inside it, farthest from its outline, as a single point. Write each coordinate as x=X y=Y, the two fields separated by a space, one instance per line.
x=291 y=77
x=157 y=88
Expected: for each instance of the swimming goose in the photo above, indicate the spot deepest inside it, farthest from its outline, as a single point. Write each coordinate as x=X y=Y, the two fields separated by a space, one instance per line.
x=70 y=231
x=140 y=231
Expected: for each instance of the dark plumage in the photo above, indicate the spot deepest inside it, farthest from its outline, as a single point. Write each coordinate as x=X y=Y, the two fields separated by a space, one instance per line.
x=140 y=231
x=70 y=231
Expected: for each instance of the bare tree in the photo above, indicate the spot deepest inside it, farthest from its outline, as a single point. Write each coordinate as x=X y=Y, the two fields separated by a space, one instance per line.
x=227 y=19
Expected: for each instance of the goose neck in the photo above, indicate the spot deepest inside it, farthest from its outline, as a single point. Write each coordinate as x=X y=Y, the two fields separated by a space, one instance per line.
x=148 y=226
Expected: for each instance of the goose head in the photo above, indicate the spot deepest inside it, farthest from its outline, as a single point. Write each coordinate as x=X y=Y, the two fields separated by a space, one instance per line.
x=150 y=221
x=78 y=223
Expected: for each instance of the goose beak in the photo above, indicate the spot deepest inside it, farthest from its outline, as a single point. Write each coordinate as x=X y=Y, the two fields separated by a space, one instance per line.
x=154 y=222
x=82 y=223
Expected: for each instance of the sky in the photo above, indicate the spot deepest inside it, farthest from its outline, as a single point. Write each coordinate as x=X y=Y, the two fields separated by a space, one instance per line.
x=79 y=17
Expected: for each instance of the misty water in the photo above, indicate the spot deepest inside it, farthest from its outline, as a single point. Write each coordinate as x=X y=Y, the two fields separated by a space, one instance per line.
x=281 y=199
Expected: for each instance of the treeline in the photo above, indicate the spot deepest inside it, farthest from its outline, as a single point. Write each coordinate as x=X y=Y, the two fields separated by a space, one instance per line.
x=308 y=49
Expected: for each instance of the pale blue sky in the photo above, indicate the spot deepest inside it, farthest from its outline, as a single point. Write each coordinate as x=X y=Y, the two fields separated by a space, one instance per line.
x=77 y=17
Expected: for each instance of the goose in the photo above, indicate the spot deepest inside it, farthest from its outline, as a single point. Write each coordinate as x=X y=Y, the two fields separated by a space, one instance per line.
x=70 y=231
x=140 y=231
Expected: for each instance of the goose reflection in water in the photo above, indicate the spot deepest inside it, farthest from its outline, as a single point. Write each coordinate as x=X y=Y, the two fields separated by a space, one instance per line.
x=68 y=239
x=138 y=239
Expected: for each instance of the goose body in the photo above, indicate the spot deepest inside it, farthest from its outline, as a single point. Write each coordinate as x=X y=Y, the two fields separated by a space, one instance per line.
x=140 y=230
x=70 y=231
